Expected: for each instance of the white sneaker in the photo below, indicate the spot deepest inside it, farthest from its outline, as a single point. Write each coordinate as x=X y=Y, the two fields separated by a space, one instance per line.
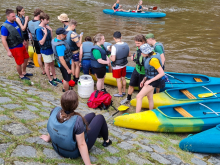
x=125 y=101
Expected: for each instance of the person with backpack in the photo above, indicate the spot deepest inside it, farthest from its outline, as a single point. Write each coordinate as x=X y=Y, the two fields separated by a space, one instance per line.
x=85 y=55
x=139 y=72
x=119 y=54
x=159 y=48
x=99 y=60
x=154 y=73
x=80 y=132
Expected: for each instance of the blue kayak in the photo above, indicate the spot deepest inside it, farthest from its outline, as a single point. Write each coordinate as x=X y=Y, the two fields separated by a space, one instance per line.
x=132 y=14
x=205 y=142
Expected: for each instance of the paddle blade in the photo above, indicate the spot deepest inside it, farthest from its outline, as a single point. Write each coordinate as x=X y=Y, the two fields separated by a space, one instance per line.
x=123 y=108
x=155 y=8
x=203 y=95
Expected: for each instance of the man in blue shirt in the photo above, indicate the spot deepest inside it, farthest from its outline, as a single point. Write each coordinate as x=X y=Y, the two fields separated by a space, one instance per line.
x=12 y=40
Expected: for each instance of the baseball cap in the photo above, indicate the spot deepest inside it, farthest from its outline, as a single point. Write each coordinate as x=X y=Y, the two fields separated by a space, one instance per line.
x=150 y=35
x=146 y=48
x=61 y=31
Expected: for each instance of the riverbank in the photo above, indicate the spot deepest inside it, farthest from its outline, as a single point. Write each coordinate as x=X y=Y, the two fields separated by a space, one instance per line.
x=24 y=111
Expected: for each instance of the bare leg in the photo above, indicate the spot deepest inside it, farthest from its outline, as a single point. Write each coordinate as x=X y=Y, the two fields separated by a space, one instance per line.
x=24 y=65
x=119 y=84
x=39 y=58
x=52 y=67
x=47 y=70
x=73 y=68
x=150 y=99
x=99 y=84
x=130 y=90
x=65 y=85
x=77 y=69
x=124 y=84
x=157 y=90
x=19 y=70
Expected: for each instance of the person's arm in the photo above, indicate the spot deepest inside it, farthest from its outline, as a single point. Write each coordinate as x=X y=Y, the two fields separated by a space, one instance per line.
x=51 y=31
x=5 y=44
x=39 y=35
x=133 y=56
x=46 y=138
x=162 y=58
x=97 y=55
x=101 y=61
x=63 y=62
x=159 y=50
x=129 y=54
x=142 y=82
x=138 y=8
x=74 y=38
x=23 y=27
x=83 y=149
x=113 y=7
x=113 y=54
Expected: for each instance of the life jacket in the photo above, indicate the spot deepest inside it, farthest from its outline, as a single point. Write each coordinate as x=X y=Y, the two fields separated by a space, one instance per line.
x=87 y=47
x=47 y=43
x=116 y=6
x=65 y=26
x=106 y=44
x=150 y=71
x=22 y=19
x=72 y=44
x=140 y=7
x=32 y=26
x=68 y=53
x=159 y=44
x=14 y=38
x=122 y=51
x=94 y=62
x=139 y=59
x=62 y=135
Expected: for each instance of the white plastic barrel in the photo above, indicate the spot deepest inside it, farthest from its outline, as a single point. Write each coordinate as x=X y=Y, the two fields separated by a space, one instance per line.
x=85 y=86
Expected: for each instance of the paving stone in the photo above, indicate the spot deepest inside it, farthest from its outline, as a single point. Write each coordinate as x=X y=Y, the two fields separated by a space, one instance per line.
x=172 y=149
x=214 y=160
x=42 y=123
x=157 y=148
x=93 y=159
x=15 y=91
x=38 y=140
x=174 y=141
x=11 y=106
x=200 y=155
x=27 y=163
x=132 y=135
x=45 y=104
x=173 y=159
x=159 y=142
x=4 y=100
x=2 y=162
x=26 y=115
x=145 y=133
x=142 y=150
x=4 y=85
x=145 y=141
x=3 y=118
x=24 y=151
x=45 y=114
x=15 y=88
x=119 y=135
x=159 y=158
x=113 y=139
x=125 y=145
x=198 y=161
x=137 y=159
x=117 y=129
x=36 y=104
x=2 y=109
x=32 y=92
x=64 y=164
x=113 y=159
x=96 y=151
x=16 y=129
x=51 y=154
x=112 y=150
x=43 y=131
x=4 y=147
x=32 y=108
x=10 y=94
x=30 y=99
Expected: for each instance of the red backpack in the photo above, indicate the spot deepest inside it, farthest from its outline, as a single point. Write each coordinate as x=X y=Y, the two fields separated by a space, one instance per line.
x=100 y=99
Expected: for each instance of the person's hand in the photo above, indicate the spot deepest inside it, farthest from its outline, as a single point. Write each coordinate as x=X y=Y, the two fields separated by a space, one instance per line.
x=80 y=64
x=146 y=83
x=44 y=30
x=69 y=71
x=9 y=54
x=108 y=61
x=132 y=57
x=26 y=18
x=46 y=138
x=48 y=27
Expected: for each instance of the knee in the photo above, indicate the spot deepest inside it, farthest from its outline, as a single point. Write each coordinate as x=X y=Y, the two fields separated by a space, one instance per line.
x=138 y=97
x=100 y=117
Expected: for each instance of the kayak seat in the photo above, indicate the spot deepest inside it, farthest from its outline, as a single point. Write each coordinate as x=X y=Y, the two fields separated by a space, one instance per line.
x=197 y=79
x=183 y=112
x=188 y=94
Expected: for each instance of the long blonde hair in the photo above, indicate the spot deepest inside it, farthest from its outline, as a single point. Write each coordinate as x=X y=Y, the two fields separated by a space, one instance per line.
x=97 y=38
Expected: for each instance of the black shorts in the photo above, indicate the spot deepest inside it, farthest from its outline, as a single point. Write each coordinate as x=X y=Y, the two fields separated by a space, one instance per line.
x=100 y=72
x=155 y=84
x=37 y=47
x=25 y=35
x=66 y=76
x=136 y=79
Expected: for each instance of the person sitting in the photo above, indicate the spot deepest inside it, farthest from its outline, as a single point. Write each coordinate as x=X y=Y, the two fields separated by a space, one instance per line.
x=140 y=7
x=154 y=72
x=117 y=7
x=71 y=134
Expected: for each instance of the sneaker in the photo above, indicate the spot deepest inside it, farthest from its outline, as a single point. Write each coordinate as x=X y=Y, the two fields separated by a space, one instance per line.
x=24 y=78
x=125 y=101
x=28 y=74
x=52 y=83
x=30 y=66
x=105 y=144
x=76 y=81
x=123 y=93
x=57 y=80
x=31 y=63
x=117 y=95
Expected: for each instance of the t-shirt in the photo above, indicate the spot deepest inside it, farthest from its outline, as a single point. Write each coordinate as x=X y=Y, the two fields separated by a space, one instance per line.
x=113 y=53
x=97 y=54
x=159 y=49
x=40 y=35
x=155 y=63
x=75 y=38
x=5 y=32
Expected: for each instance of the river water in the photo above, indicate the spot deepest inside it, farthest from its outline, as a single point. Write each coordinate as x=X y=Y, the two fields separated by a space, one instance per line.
x=190 y=32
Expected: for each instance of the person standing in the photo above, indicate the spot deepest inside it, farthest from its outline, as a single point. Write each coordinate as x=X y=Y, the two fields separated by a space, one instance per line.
x=99 y=60
x=108 y=48
x=63 y=55
x=64 y=19
x=12 y=40
x=139 y=72
x=32 y=24
x=74 y=42
x=44 y=36
x=119 y=53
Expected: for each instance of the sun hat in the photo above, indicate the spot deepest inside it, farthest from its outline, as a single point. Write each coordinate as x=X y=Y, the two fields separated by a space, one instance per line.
x=146 y=48
x=150 y=35
x=61 y=31
x=63 y=17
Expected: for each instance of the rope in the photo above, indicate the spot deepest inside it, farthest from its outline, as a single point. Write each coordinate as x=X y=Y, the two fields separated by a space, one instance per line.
x=209 y=90
x=209 y=108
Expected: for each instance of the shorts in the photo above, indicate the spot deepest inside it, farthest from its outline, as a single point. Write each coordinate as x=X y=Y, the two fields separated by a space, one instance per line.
x=19 y=54
x=48 y=58
x=155 y=84
x=37 y=47
x=118 y=73
x=26 y=37
x=117 y=10
x=136 y=79
x=76 y=57
x=86 y=66
x=66 y=76
x=100 y=72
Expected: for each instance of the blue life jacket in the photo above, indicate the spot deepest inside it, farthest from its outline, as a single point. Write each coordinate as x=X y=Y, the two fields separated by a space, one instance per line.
x=72 y=44
x=116 y=6
x=62 y=135
x=159 y=44
x=22 y=19
x=122 y=51
x=150 y=71
x=87 y=47
x=32 y=26
x=106 y=44
x=47 y=43
x=65 y=26
x=94 y=62
x=140 y=7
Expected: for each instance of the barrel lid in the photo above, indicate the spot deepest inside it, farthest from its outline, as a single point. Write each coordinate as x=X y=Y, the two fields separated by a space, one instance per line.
x=85 y=77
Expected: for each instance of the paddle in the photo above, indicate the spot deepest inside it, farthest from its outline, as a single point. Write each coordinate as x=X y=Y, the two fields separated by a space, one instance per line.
x=207 y=94
x=153 y=8
x=210 y=112
x=174 y=77
x=120 y=109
